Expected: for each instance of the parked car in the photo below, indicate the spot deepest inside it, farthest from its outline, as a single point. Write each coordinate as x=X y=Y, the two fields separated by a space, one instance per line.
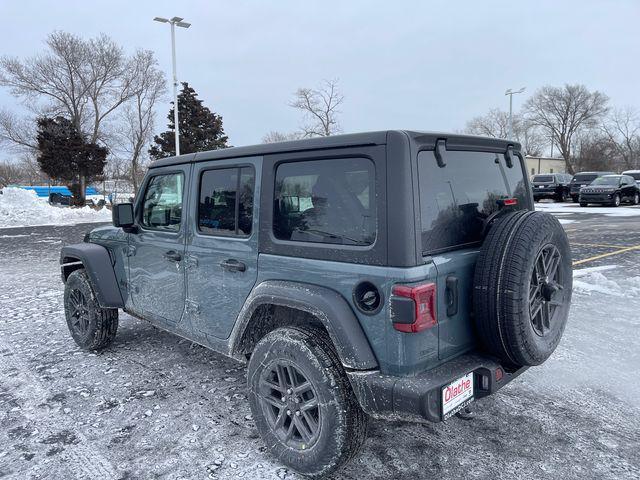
x=551 y=185
x=582 y=179
x=395 y=274
x=635 y=174
x=611 y=190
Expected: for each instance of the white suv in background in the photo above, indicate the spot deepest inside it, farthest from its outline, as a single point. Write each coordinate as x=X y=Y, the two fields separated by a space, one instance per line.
x=635 y=174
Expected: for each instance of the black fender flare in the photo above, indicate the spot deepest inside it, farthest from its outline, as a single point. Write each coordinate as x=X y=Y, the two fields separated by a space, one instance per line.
x=326 y=305
x=97 y=262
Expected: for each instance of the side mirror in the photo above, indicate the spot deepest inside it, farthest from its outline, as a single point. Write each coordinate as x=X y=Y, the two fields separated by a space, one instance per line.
x=122 y=215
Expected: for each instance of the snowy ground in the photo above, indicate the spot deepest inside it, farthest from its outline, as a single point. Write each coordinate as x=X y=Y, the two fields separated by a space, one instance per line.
x=156 y=406
x=20 y=207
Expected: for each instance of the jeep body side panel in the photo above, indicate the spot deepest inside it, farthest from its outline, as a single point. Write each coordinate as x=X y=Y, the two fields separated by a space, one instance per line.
x=98 y=265
x=326 y=305
x=397 y=353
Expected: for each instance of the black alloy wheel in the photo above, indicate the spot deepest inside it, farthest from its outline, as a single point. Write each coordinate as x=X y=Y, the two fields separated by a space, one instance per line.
x=290 y=404
x=546 y=283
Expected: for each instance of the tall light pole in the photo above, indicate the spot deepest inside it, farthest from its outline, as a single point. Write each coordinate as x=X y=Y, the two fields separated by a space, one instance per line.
x=174 y=22
x=511 y=93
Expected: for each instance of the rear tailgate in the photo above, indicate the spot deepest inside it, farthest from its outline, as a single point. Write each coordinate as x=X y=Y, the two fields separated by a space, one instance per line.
x=455 y=201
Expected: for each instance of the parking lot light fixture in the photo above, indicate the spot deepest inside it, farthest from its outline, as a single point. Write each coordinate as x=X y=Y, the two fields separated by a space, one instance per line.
x=175 y=21
x=511 y=93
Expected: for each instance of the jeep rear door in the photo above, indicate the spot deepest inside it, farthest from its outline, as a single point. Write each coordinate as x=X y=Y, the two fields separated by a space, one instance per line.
x=456 y=197
x=222 y=250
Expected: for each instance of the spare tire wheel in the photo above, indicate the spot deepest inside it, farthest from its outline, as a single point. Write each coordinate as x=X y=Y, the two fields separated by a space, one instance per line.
x=522 y=287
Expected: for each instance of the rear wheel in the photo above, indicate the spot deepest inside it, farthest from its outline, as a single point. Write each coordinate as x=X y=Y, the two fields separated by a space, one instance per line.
x=562 y=197
x=91 y=326
x=574 y=198
x=583 y=204
x=522 y=287
x=302 y=402
x=636 y=198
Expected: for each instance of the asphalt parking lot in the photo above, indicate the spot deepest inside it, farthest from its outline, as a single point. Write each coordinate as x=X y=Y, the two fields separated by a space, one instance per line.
x=154 y=406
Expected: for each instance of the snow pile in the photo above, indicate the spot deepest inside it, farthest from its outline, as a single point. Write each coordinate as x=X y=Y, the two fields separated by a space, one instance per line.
x=23 y=208
x=559 y=208
x=592 y=280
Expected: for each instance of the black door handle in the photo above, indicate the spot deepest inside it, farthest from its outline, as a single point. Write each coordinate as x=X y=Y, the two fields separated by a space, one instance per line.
x=452 y=295
x=233 y=265
x=172 y=255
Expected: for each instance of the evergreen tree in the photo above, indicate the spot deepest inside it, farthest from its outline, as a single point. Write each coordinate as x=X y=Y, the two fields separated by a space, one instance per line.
x=200 y=128
x=65 y=155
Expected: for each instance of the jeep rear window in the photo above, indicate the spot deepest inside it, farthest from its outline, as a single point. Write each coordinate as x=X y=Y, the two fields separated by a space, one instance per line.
x=543 y=178
x=457 y=198
x=326 y=201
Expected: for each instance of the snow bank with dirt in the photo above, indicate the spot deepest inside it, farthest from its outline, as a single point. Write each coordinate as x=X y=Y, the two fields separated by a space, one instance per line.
x=591 y=280
x=560 y=208
x=23 y=208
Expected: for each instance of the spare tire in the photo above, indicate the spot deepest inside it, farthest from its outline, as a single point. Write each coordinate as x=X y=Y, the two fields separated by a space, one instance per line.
x=522 y=287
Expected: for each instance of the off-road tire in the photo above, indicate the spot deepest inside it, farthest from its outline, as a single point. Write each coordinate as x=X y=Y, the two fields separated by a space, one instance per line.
x=342 y=425
x=504 y=282
x=100 y=324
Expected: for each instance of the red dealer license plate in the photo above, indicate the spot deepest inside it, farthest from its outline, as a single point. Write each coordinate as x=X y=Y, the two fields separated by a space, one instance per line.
x=457 y=395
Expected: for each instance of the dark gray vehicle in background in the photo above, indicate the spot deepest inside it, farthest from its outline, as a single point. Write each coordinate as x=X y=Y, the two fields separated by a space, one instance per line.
x=551 y=185
x=393 y=274
x=582 y=179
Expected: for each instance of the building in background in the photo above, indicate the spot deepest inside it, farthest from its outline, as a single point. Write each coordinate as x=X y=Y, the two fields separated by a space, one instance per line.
x=537 y=165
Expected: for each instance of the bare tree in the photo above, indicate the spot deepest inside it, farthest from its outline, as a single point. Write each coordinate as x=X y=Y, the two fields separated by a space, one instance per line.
x=136 y=127
x=320 y=109
x=622 y=128
x=594 y=151
x=563 y=111
x=82 y=80
x=10 y=173
x=17 y=133
x=496 y=124
x=275 y=137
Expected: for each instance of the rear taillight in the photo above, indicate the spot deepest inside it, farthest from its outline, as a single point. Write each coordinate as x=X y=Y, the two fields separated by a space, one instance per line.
x=413 y=309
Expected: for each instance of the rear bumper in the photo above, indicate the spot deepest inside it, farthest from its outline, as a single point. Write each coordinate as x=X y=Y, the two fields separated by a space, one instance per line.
x=419 y=398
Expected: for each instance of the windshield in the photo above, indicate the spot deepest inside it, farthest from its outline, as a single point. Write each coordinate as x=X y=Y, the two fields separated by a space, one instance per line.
x=606 y=181
x=635 y=175
x=542 y=178
x=584 y=177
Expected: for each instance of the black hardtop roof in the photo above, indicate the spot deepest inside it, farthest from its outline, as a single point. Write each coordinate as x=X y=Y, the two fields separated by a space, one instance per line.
x=423 y=140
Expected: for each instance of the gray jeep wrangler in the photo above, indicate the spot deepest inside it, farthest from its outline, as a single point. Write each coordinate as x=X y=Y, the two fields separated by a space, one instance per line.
x=391 y=274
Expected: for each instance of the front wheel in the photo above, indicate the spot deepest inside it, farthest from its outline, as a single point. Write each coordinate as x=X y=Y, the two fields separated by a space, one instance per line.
x=616 y=200
x=302 y=402
x=636 y=198
x=92 y=327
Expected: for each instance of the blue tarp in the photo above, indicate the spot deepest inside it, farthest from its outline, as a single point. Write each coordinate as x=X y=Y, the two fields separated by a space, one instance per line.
x=43 y=191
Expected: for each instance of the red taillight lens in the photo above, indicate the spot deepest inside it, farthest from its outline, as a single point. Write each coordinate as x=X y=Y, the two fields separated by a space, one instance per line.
x=510 y=201
x=424 y=315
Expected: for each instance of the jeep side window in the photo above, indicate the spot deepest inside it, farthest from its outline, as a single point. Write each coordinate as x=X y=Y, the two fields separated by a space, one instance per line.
x=455 y=200
x=326 y=201
x=162 y=202
x=226 y=201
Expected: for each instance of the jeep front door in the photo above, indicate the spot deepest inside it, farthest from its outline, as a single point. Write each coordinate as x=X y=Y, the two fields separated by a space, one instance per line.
x=156 y=251
x=222 y=251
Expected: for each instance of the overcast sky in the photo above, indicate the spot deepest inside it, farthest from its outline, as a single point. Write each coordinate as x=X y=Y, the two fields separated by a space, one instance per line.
x=427 y=65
